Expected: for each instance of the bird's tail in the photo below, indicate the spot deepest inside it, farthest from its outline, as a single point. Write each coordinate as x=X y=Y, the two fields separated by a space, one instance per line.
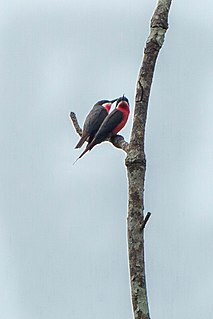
x=88 y=148
x=82 y=154
x=82 y=140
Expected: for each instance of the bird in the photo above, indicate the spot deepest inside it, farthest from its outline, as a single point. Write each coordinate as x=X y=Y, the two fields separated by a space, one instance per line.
x=111 y=125
x=94 y=120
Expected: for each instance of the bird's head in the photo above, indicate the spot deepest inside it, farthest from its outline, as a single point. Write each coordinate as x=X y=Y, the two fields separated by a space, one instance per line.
x=122 y=104
x=107 y=104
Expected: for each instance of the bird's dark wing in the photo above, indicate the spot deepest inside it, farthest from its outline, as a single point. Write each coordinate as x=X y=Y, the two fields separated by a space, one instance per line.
x=108 y=125
x=94 y=119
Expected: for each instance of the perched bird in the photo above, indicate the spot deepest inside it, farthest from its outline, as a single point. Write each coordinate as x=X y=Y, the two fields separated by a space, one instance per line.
x=112 y=124
x=94 y=120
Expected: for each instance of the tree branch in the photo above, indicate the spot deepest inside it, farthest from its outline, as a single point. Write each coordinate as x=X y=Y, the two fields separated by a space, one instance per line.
x=158 y=28
x=136 y=161
x=74 y=121
x=117 y=140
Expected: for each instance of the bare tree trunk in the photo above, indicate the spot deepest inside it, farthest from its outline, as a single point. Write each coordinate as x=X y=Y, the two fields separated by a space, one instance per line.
x=136 y=161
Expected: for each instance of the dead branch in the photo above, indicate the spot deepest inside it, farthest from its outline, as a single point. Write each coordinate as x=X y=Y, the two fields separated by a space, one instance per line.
x=136 y=161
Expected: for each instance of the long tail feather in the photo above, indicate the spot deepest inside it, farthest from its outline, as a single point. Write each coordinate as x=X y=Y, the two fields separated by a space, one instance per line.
x=84 y=152
x=75 y=161
x=88 y=148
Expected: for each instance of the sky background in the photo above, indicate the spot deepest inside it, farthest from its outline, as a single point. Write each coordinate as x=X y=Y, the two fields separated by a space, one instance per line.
x=63 y=251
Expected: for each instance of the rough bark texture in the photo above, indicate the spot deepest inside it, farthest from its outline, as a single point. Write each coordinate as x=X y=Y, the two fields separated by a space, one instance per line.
x=136 y=161
x=75 y=123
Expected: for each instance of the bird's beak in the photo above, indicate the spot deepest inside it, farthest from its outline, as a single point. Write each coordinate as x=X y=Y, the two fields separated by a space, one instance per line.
x=112 y=101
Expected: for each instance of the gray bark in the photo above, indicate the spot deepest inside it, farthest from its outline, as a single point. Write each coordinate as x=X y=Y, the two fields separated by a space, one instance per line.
x=136 y=161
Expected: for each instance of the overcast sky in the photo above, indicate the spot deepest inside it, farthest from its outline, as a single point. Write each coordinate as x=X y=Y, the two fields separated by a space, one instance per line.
x=62 y=227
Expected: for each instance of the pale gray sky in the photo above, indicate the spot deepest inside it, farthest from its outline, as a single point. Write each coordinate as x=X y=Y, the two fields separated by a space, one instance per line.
x=62 y=227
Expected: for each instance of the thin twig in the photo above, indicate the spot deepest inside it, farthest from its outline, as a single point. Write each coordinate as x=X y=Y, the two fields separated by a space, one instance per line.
x=143 y=224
